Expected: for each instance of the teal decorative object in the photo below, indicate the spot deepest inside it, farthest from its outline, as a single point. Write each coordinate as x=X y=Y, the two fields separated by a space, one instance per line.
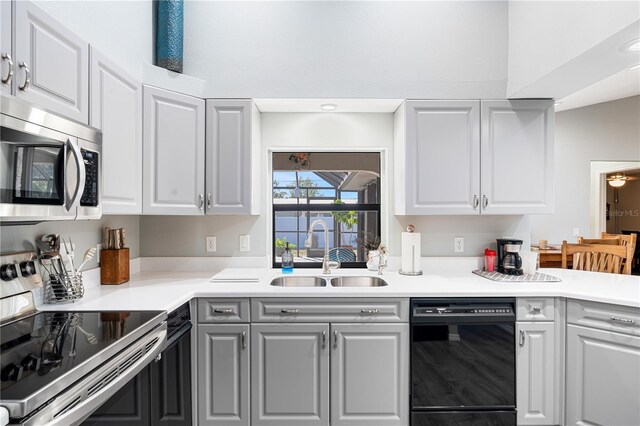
x=169 y=34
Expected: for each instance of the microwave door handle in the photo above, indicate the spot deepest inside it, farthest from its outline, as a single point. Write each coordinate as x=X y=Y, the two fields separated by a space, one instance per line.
x=77 y=194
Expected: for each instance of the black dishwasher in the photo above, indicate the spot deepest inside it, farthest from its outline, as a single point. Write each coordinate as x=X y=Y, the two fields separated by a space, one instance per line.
x=161 y=393
x=463 y=362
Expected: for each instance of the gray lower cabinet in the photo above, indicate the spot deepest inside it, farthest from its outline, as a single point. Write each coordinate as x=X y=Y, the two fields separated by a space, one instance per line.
x=223 y=374
x=535 y=376
x=290 y=370
x=370 y=374
x=603 y=377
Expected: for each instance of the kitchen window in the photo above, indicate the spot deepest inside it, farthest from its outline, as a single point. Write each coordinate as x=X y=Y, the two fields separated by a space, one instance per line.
x=340 y=188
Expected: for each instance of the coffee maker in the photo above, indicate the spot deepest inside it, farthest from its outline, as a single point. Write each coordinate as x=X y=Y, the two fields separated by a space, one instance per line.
x=509 y=260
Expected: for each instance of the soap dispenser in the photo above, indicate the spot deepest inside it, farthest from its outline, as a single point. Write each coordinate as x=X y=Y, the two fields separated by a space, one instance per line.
x=287 y=260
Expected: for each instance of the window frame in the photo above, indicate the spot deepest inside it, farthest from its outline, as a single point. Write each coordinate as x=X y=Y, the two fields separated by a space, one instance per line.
x=310 y=207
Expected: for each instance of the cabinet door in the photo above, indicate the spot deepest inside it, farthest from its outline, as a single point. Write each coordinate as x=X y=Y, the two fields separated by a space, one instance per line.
x=223 y=374
x=129 y=406
x=517 y=156
x=173 y=155
x=6 y=49
x=603 y=377
x=170 y=379
x=535 y=373
x=289 y=374
x=229 y=155
x=442 y=157
x=370 y=374
x=116 y=109
x=58 y=61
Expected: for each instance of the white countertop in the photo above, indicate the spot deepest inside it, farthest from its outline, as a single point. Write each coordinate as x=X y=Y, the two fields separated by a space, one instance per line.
x=169 y=290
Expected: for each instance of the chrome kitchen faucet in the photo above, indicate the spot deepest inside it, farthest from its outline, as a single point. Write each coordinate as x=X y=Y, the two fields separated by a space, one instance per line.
x=327 y=265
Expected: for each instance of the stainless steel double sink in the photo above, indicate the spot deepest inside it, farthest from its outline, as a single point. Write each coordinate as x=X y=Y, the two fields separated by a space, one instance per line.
x=310 y=281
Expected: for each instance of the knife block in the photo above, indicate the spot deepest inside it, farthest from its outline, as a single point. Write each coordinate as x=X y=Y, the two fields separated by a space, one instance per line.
x=114 y=266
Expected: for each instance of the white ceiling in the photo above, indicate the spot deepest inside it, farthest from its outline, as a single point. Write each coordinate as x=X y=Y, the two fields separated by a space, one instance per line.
x=620 y=85
x=342 y=105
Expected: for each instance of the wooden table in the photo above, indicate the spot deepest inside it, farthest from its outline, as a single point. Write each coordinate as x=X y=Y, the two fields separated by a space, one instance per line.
x=551 y=257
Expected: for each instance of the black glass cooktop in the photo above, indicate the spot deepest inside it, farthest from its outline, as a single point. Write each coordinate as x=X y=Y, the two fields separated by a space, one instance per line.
x=42 y=348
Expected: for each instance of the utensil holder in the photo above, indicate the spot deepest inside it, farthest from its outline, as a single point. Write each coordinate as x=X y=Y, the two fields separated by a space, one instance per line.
x=114 y=266
x=63 y=288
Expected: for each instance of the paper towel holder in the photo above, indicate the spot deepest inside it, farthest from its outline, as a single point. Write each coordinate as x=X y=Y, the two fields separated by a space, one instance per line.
x=411 y=229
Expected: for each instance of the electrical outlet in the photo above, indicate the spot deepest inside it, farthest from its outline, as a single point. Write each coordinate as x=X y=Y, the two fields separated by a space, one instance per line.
x=576 y=232
x=210 y=243
x=245 y=243
x=458 y=244
x=98 y=248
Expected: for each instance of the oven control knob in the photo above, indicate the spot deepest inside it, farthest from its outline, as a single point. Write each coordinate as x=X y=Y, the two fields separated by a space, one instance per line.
x=8 y=272
x=27 y=268
x=12 y=372
x=31 y=362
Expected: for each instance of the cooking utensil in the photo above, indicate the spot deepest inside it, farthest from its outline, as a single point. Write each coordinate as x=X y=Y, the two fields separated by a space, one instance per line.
x=89 y=337
x=122 y=237
x=70 y=254
x=88 y=255
x=106 y=235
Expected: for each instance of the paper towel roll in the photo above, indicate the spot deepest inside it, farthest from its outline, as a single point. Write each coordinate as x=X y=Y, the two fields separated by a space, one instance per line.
x=411 y=252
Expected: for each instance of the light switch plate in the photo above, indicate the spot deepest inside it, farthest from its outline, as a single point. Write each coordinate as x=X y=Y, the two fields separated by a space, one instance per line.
x=210 y=242
x=245 y=243
x=98 y=248
x=576 y=232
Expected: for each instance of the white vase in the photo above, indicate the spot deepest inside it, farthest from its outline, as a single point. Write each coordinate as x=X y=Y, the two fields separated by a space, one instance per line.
x=374 y=260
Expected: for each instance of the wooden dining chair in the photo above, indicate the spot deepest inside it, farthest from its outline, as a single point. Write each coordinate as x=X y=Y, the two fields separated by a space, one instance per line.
x=614 y=259
x=631 y=240
x=604 y=241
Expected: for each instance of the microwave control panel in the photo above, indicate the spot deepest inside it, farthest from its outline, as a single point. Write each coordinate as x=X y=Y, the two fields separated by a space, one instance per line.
x=90 y=194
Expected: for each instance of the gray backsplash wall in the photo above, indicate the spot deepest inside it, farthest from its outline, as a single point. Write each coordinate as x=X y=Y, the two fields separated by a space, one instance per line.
x=168 y=236
x=84 y=233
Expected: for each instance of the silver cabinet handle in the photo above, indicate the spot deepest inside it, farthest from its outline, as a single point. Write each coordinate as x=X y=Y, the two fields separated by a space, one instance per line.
x=623 y=320
x=476 y=202
x=521 y=338
x=536 y=309
x=7 y=58
x=485 y=201
x=335 y=339
x=200 y=201
x=324 y=339
x=244 y=340
x=369 y=311
x=290 y=311
x=209 y=201
x=223 y=311
x=27 y=77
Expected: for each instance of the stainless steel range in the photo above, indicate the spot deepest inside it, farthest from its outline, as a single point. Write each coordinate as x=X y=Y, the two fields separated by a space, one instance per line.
x=58 y=367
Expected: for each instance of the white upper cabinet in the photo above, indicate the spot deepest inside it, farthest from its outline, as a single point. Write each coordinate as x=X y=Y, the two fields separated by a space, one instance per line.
x=474 y=157
x=517 y=156
x=441 y=162
x=7 y=65
x=233 y=158
x=52 y=63
x=116 y=109
x=173 y=159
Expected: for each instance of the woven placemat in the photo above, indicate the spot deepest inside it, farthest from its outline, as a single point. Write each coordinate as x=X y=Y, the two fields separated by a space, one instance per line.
x=526 y=278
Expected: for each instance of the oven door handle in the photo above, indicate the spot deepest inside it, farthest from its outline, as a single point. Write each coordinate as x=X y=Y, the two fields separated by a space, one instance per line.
x=81 y=172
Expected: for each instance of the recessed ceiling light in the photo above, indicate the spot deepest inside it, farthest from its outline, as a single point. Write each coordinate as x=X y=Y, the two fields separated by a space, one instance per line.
x=329 y=107
x=632 y=45
x=635 y=67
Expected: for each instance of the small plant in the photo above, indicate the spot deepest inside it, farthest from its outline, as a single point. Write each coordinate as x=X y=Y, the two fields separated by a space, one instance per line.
x=281 y=243
x=370 y=242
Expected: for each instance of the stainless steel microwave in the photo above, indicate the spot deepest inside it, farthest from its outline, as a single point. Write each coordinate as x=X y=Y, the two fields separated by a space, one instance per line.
x=50 y=166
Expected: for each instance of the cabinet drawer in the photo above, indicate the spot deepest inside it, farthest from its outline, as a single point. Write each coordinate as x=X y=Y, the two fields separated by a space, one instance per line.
x=330 y=310
x=535 y=309
x=622 y=319
x=223 y=310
